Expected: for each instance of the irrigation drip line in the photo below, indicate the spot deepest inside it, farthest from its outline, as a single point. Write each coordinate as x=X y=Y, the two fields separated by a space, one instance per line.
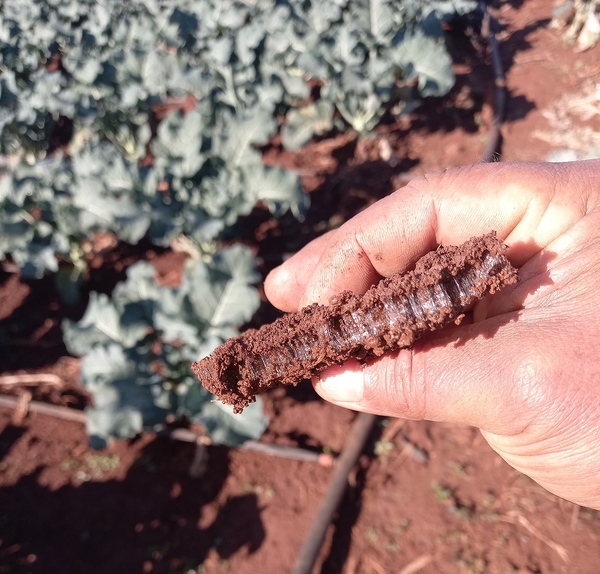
x=282 y=451
x=34 y=379
x=56 y=411
x=487 y=31
x=337 y=487
x=180 y=434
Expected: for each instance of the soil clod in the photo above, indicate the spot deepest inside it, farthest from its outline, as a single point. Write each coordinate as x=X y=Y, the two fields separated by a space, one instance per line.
x=390 y=315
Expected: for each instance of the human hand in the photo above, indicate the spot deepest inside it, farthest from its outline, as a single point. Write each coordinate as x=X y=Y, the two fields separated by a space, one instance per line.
x=526 y=369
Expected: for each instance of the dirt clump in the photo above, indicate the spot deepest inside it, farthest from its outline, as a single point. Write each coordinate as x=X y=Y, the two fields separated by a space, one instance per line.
x=390 y=315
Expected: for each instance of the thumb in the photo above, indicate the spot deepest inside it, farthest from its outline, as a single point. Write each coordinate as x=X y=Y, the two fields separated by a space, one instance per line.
x=457 y=375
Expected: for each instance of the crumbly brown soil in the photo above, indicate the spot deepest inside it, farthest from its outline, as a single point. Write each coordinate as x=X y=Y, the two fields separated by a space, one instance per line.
x=391 y=315
x=463 y=512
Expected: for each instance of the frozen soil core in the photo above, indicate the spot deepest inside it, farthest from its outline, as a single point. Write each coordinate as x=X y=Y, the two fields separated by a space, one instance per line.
x=390 y=315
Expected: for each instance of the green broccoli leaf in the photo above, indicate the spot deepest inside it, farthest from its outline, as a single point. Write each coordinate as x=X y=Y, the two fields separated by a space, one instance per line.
x=137 y=347
x=222 y=425
x=222 y=293
x=303 y=123
x=426 y=59
x=125 y=400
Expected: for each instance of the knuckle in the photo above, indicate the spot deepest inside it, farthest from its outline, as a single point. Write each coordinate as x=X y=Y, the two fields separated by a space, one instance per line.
x=435 y=180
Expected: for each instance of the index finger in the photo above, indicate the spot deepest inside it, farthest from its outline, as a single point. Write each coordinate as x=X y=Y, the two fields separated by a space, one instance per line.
x=528 y=205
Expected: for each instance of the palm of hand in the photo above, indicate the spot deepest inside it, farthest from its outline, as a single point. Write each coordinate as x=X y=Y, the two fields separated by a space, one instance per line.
x=525 y=370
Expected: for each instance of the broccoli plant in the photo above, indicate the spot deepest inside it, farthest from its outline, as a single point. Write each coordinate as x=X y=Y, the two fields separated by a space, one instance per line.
x=137 y=345
x=49 y=207
x=90 y=142
x=361 y=52
x=104 y=69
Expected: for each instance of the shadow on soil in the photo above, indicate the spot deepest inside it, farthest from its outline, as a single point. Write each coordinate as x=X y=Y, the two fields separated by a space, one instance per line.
x=30 y=332
x=446 y=114
x=157 y=519
x=519 y=42
x=9 y=436
x=31 y=337
x=303 y=392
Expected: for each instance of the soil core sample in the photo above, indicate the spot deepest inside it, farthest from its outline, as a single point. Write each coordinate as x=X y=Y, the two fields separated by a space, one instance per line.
x=390 y=315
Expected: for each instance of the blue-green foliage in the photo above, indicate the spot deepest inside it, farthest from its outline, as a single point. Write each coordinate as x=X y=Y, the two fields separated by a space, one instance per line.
x=121 y=57
x=102 y=67
x=105 y=64
x=137 y=346
x=118 y=60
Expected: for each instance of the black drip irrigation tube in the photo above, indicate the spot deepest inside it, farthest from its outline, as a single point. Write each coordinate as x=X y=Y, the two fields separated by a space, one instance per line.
x=364 y=422
x=488 y=32
x=335 y=491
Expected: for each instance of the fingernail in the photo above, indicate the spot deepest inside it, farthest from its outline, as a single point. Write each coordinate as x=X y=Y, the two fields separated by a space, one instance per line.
x=342 y=387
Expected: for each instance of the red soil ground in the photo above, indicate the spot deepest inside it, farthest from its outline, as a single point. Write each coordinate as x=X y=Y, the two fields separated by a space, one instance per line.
x=133 y=508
